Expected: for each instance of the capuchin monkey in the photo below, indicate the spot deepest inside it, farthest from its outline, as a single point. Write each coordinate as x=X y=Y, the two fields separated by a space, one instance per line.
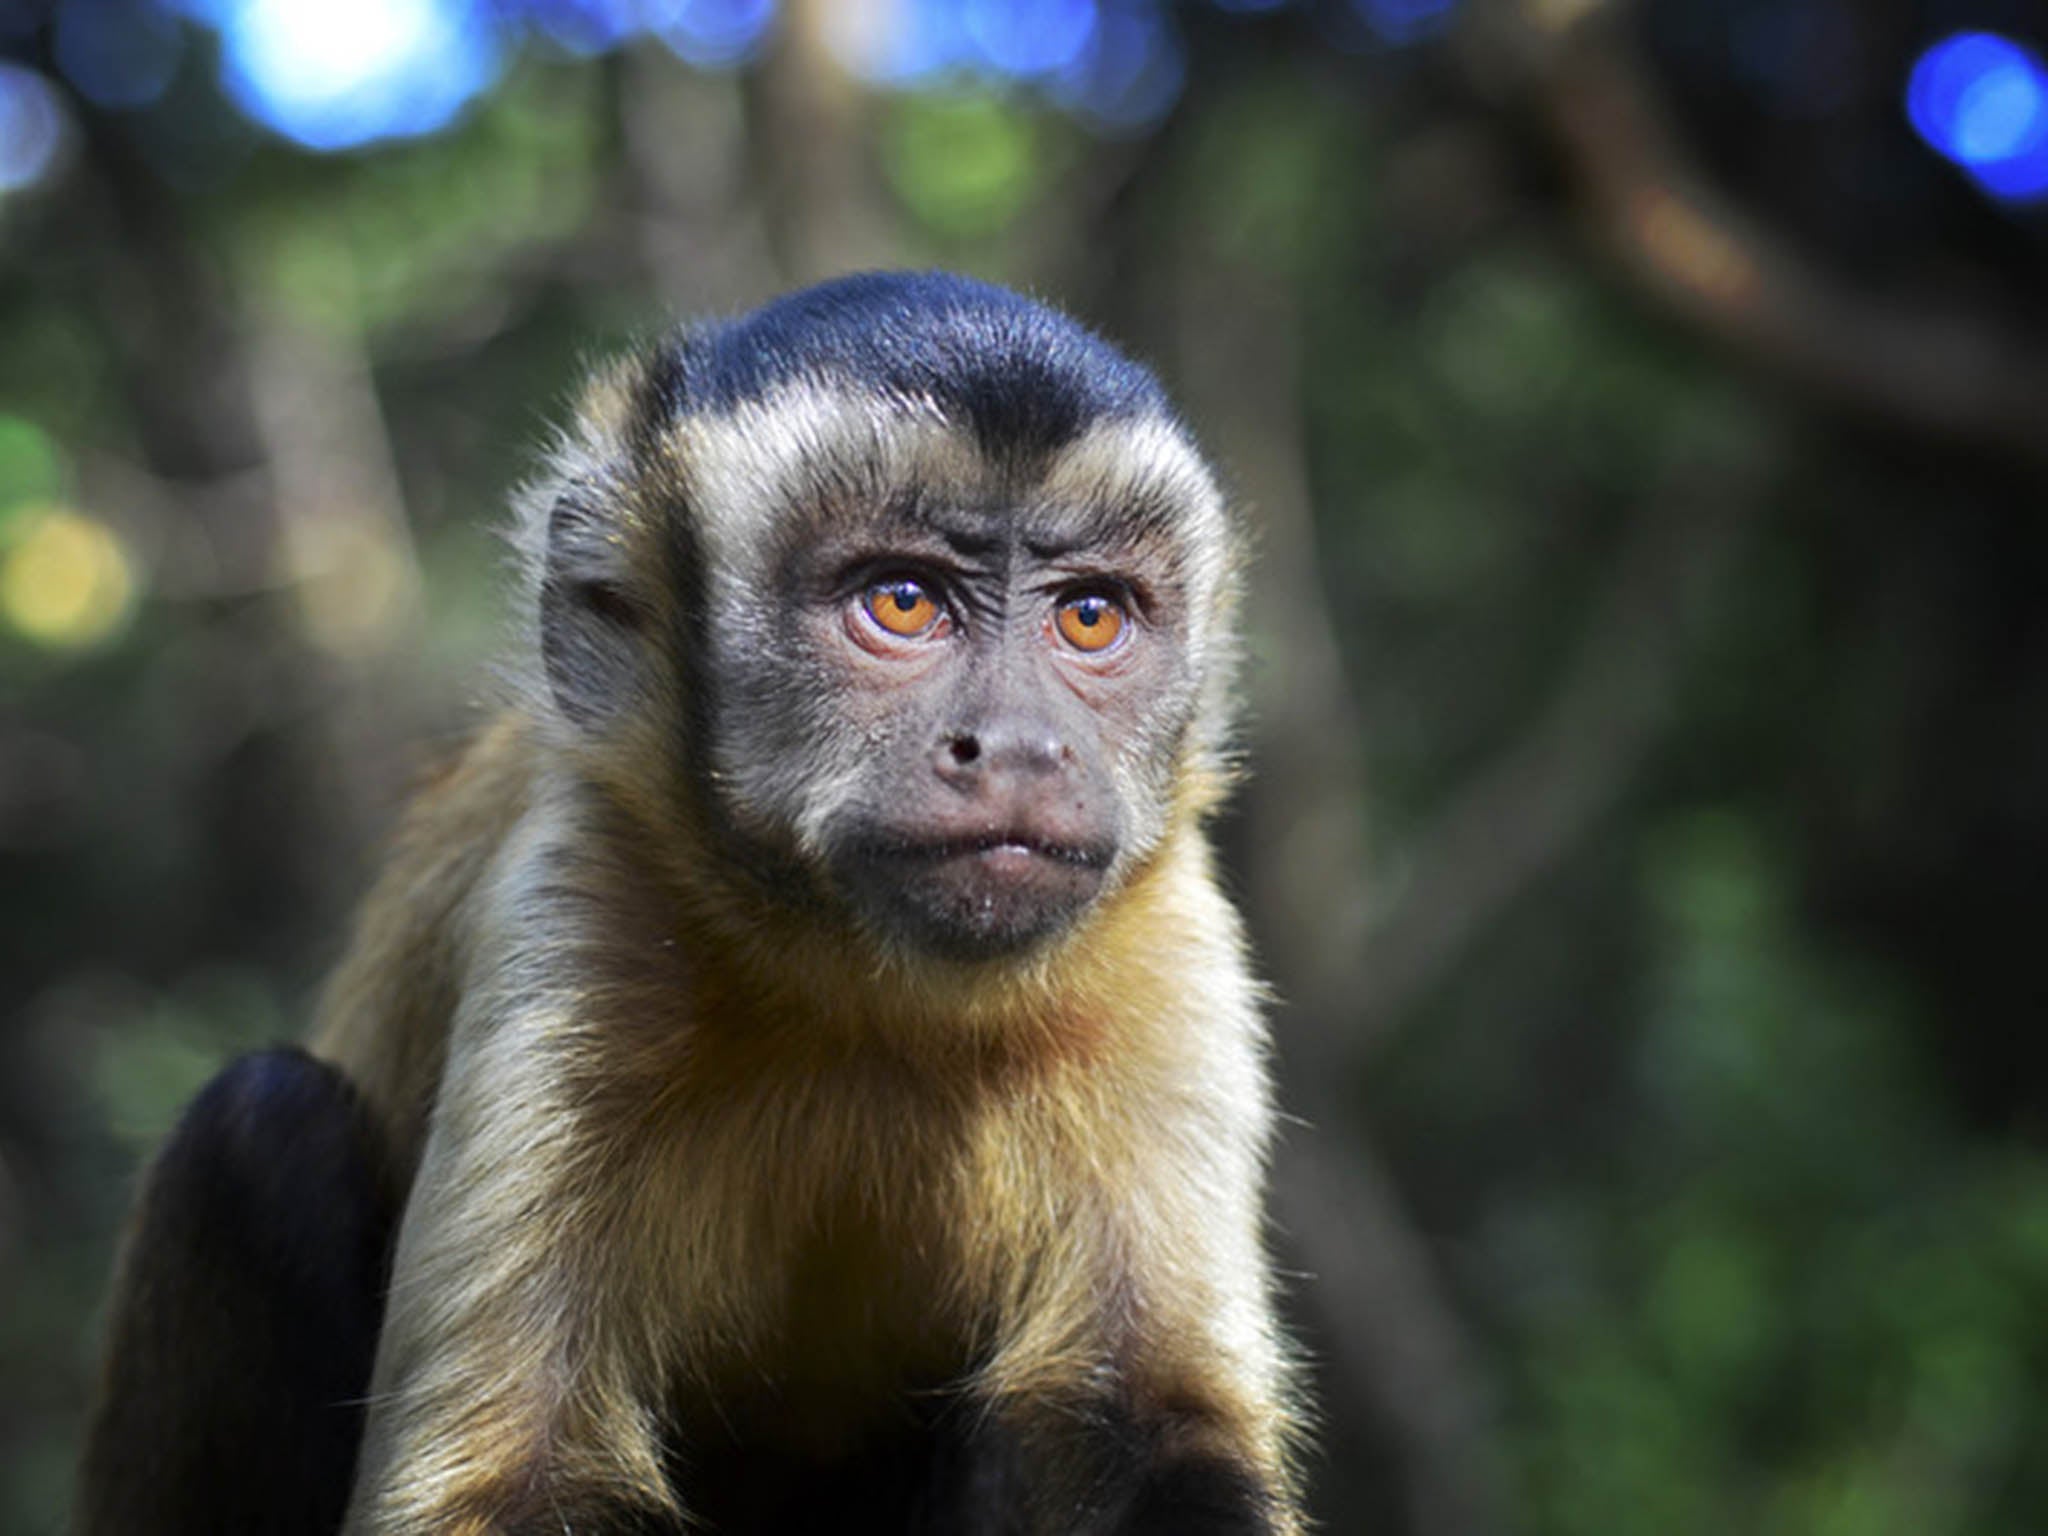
x=797 y=1072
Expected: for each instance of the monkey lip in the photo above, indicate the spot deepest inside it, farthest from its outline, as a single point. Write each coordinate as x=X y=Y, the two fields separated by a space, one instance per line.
x=983 y=894
x=1001 y=852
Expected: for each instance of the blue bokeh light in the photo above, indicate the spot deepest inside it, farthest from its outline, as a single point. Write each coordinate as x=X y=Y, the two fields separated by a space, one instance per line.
x=1028 y=38
x=120 y=54
x=1118 y=65
x=584 y=28
x=712 y=34
x=31 y=127
x=333 y=76
x=915 y=41
x=1130 y=75
x=1402 y=22
x=1981 y=101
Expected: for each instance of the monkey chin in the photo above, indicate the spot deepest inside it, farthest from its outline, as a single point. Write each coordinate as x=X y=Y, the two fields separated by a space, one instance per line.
x=981 y=898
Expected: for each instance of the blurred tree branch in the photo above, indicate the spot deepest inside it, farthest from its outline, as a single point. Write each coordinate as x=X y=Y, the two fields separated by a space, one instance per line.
x=698 y=219
x=1528 y=808
x=825 y=212
x=1381 y=1304
x=1939 y=365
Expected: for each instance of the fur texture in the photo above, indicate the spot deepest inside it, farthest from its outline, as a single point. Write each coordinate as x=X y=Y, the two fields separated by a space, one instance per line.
x=731 y=1197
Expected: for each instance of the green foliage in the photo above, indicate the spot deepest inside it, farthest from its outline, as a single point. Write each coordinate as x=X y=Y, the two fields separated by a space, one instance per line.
x=53 y=363
x=966 y=164
x=1802 y=1310
x=427 y=230
x=1276 y=173
x=32 y=467
x=146 y=1068
x=1745 y=1270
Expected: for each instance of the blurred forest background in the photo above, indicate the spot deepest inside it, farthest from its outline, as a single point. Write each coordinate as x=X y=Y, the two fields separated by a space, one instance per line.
x=1644 y=408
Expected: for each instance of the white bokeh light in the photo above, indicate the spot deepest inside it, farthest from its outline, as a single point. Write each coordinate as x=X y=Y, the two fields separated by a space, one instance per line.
x=332 y=76
x=31 y=127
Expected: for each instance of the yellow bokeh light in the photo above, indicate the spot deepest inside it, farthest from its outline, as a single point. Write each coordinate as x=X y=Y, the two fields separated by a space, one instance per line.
x=356 y=591
x=66 y=580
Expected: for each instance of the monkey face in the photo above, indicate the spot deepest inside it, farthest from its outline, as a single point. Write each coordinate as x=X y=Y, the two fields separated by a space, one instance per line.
x=959 y=686
x=991 y=689
x=929 y=583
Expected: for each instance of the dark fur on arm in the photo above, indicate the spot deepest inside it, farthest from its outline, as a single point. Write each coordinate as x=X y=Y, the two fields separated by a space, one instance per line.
x=245 y=1318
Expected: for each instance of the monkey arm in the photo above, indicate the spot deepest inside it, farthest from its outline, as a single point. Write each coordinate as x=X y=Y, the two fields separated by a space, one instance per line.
x=1208 y=1458
x=244 y=1315
x=1204 y=1372
x=1189 y=1441
x=385 y=1012
x=1171 y=1431
x=1141 y=1375
x=511 y=1392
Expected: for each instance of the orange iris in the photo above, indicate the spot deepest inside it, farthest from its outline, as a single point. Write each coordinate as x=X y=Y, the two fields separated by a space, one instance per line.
x=1090 y=622
x=902 y=607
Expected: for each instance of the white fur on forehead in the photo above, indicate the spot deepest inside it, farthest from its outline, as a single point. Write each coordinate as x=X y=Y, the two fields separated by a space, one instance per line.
x=807 y=443
x=1136 y=458
x=812 y=444
x=1148 y=461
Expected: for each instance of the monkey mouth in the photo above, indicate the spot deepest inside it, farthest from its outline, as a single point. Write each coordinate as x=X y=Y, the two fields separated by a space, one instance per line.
x=977 y=896
x=1001 y=850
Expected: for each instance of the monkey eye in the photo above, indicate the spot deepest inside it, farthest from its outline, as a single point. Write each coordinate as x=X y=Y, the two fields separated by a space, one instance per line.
x=1090 y=621
x=902 y=606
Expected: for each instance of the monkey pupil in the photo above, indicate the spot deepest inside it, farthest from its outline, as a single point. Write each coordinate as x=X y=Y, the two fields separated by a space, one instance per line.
x=907 y=598
x=1089 y=611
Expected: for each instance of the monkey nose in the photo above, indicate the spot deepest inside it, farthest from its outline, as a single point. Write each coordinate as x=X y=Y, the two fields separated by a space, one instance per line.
x=1022 y=747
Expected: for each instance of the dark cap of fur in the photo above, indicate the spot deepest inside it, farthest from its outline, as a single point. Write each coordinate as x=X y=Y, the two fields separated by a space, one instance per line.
x=1022 y=377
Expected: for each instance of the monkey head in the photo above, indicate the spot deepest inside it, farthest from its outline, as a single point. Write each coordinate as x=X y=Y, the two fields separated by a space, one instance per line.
x=932 y=589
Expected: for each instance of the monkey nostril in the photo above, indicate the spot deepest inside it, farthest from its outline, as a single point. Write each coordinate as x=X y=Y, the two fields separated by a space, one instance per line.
x=966 y=749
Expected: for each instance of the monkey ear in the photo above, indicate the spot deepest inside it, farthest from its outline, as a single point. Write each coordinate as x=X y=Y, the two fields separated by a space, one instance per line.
x=593 y=627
